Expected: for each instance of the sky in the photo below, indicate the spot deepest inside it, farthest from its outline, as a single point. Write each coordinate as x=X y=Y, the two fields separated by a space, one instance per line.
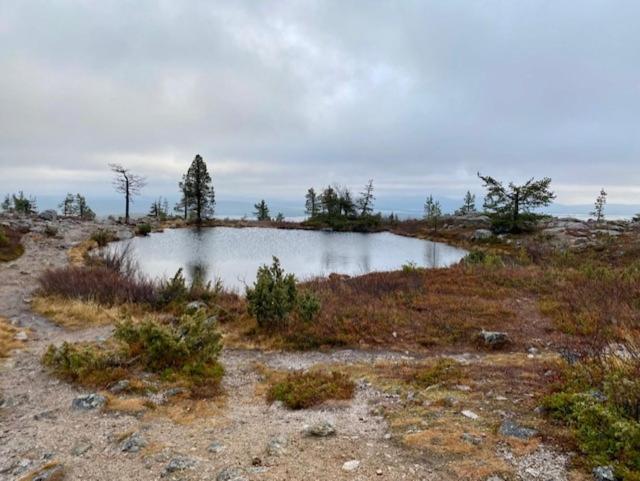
x=278 y=96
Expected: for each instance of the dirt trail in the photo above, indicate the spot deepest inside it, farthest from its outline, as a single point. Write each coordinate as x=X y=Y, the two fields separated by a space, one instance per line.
x=37 y=423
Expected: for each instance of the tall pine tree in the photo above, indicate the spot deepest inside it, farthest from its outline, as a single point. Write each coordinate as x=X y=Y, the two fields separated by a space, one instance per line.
x=197 y=189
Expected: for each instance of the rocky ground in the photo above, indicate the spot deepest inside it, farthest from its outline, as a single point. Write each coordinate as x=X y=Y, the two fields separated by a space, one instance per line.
x=236 y=437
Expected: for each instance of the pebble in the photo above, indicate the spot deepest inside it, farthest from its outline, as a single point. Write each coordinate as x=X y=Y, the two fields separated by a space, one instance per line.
x=321 y=429
x=351 y=465
x=469 y=414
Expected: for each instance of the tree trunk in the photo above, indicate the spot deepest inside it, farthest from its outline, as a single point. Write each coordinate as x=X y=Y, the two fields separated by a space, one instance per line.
x=516 y=210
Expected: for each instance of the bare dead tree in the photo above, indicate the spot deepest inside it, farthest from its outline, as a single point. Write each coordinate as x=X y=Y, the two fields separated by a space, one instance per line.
x=127 y=183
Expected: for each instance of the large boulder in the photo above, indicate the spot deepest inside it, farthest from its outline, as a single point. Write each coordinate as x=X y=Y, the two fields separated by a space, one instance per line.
x=48 y=214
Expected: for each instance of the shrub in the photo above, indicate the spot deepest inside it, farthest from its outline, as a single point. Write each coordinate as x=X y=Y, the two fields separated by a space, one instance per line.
x=173 y=290
x=143 y=229
x=308 y=306
x=97 y=283
x=272 y=297
x=185 y=352
x=599 y=399
x=103 y=236
x=301 y=390
x=4 y=240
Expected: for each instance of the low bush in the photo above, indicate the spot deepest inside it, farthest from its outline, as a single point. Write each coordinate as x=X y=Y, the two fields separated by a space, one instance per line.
x=185 y=352
x=103 y=236
x=4 y=240
x=599 y=398
x=273 y=296
x=301 y=390
x=143 y=229
x=97 y=283
x=308 y=306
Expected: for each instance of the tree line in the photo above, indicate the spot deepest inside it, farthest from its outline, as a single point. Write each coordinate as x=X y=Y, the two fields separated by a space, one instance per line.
x=511 y=207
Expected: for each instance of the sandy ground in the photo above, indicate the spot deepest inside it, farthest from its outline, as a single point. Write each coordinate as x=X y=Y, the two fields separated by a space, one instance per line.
x=38 y=425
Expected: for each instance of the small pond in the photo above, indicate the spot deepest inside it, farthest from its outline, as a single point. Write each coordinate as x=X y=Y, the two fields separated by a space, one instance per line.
x=233 y=255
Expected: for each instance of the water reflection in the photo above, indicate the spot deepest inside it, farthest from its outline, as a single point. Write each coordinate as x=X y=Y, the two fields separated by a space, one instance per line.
x=234 y=255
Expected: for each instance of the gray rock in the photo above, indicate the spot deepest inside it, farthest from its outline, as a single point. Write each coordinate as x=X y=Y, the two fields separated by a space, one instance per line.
x=603 y=473
x=133 y=443
x=513 y=429
x=120 y=386
x=277 y=445
x=89 y=401
x=321 y=429
x=21 y=336
x=493 y=339
x=351 y=465
x=81 y=447
x=178 y=464
x=49 y=414
x=471 y=439
x=194 y=306
x=231 y=474
x=215 y=447
x=481 y=234
x=48 y=214
x=124 y=234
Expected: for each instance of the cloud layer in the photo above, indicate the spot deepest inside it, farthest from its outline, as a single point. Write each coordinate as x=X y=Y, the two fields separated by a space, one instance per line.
x=278 y=96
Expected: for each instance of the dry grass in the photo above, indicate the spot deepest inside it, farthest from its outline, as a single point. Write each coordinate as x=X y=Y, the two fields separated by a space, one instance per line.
x=78 y=254
x=78 y=314
x=7 y=338
x=54 y=470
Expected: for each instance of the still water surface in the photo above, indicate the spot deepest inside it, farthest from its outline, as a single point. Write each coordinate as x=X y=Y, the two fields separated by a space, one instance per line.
x=233 y=255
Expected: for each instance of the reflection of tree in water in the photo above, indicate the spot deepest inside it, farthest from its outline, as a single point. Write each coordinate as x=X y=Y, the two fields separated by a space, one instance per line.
x=431 y=254
x=197 y=273
x=345 y=258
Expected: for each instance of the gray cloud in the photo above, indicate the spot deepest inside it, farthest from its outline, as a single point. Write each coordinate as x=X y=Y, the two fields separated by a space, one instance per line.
x=278 y=96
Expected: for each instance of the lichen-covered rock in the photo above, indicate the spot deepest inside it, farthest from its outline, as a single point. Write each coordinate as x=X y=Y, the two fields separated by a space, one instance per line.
x=89 y=401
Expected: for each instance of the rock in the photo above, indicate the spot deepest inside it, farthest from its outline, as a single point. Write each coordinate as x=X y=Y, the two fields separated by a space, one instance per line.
x=469 y=414
x=533 y=350
x=133 y=443
x=124 y=234
x=178 y=464
x=494 y=478
x=49 y=414
x=81 y=447
x=52 y=472
x=513 y=429
x=89 y=401
x=48 y=214
x=493 y=339
x=603 y=473
x=379 y=472
x=321 y=429
x=120 y=386
x=21 y=336
x=194 y=306
x=231 y=474
x=215 y=447
x=351 y=465
x=471 y=439
x=482 y=234
x=277 y=445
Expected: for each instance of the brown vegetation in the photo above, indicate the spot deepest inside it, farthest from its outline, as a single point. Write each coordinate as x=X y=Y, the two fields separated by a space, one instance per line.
x=302 y=390
x=10 y=246
x=8 y=340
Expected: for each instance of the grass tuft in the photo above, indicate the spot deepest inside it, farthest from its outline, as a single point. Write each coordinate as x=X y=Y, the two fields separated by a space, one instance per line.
x=302 y=390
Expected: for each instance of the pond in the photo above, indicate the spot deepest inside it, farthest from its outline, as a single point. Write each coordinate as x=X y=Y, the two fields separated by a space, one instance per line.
x=233 y=255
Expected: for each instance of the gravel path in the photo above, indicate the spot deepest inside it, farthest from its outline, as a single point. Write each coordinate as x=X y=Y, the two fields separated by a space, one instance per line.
x=37 y=424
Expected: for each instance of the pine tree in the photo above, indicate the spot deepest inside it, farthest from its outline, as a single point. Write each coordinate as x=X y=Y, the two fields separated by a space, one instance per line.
x=312 y=203
x=280 y=217
x=6 y=203
x=24 y=205
x=262 y=211
x=199 y=196
x=432 y=212
x=506 y=204
x=365 y=201
x=599 y=205
x=82 y=209
x=347 y=206
x=468 y=204
x=67 y=206
x=159 y=208
x=330 y=202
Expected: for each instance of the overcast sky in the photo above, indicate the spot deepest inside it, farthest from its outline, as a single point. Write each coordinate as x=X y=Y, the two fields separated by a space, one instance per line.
x=279 y=96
